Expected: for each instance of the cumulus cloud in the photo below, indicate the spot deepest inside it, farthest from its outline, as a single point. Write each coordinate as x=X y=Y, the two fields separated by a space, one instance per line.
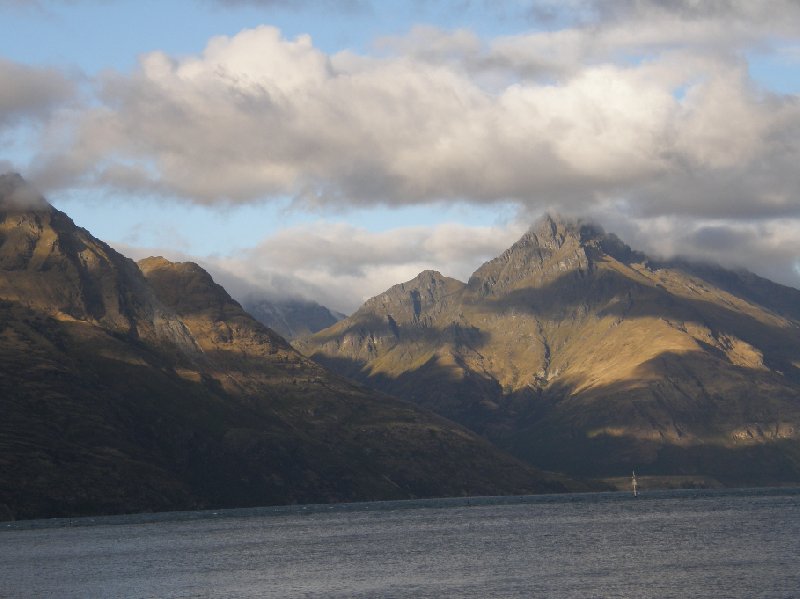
x=641 y=111
x=258 y=115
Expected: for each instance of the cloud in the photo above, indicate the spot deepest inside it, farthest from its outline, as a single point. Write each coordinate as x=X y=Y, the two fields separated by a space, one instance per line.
x=340 y=265
x=769 y=11
x=766 y=247
x=641 y=111
x=257 y=115
x=16 y=193
x=31 y=94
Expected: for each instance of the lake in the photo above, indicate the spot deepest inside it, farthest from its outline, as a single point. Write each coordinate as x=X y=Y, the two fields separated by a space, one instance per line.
x=743 y=543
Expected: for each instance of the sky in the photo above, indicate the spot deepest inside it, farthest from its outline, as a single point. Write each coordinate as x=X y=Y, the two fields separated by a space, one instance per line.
x=332 y=148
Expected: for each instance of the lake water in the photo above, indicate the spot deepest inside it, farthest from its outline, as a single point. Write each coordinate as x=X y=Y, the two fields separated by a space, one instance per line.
x=662 y=544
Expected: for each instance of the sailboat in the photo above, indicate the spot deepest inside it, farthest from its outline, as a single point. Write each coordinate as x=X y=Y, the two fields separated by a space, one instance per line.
x=634 y=484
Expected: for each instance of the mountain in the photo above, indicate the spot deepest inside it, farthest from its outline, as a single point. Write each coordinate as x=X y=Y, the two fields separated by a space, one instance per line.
x=291 y=317
x=578 y=354
x=128 y=387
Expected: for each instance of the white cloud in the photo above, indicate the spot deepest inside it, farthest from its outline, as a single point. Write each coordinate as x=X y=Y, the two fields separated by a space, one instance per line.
x=340 y=265
x=258 y=115
x=634 y=110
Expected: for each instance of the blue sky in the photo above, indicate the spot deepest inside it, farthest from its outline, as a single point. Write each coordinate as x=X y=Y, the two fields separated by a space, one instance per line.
x=405 y=135
x=95 y=35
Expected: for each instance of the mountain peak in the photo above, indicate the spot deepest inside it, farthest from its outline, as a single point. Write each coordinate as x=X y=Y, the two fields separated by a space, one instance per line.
x=552 y=246
x=53 y=266
x=154 y=262
x=412 y=300
x=185 y=286
x=428 y=277
x=552 y=230
x=128 y=389
x=579 y=354
x=186 y=269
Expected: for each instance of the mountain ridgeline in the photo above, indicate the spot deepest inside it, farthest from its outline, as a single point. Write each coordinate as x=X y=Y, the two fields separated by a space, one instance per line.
x=578 y=354
x=140 y=387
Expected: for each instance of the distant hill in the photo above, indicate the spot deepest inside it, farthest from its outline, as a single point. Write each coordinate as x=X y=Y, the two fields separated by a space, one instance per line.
x=291 y=317
x=576 y=353
x=128 y=387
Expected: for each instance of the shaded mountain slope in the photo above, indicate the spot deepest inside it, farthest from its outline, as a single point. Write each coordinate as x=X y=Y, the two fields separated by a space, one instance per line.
x=290 y=317
x=577 y=353
x=122 y=391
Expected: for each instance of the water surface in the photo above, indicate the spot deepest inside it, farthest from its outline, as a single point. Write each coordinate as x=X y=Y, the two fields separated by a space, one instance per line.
x=663 y=544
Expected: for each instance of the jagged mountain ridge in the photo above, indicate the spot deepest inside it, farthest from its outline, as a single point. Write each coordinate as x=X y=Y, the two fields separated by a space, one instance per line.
x=140 y=388
x=575 y=352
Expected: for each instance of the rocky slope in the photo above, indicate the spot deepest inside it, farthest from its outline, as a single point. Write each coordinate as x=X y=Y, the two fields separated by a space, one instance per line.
x=577 y=353
x=290 y=317
x=138 y=389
